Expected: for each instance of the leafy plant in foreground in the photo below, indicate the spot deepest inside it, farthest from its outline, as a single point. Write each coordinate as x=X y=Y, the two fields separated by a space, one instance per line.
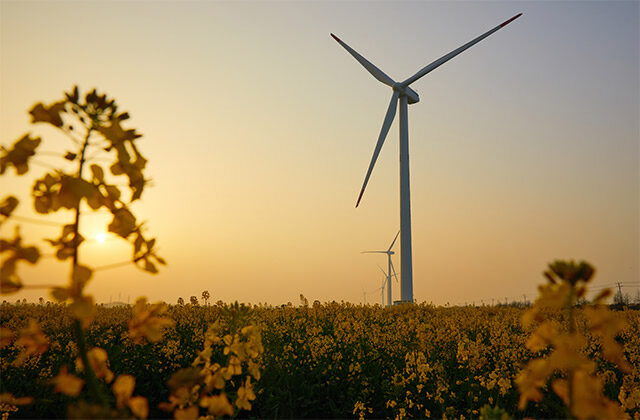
x=94 y=126
x=571 y=371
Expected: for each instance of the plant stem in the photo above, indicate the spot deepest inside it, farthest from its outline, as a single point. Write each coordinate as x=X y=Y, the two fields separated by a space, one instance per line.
x=90 y=375
x=572 y=330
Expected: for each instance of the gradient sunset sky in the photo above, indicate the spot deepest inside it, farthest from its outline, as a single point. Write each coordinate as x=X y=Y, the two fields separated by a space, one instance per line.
x=259 y=128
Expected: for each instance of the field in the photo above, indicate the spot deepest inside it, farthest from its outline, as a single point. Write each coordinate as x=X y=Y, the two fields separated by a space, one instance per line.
x=322 y=361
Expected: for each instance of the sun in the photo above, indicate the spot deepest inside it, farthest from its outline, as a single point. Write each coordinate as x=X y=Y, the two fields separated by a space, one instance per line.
x=100 y=237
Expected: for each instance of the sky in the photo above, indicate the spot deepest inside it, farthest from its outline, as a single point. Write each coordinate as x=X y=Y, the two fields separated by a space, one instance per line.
x=259 y=128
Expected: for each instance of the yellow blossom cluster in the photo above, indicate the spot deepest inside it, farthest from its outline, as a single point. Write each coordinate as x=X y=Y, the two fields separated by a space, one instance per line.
x=554 y=315
x=325 y=360
x=230 y=359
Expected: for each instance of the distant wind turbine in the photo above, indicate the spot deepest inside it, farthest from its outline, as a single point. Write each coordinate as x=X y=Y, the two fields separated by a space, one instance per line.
x=387 y=280
x=384 y=283
x=389 y=253
x=406 y=95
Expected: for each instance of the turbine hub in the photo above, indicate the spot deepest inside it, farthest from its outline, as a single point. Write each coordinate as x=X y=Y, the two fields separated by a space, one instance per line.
x=411 y=94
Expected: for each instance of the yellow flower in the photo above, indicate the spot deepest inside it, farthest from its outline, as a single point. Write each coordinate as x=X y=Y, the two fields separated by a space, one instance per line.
x=561 y=388
x=8 y=398
x=631 y=400
x=189 y=413
x=542 y=336
x=588 y=401
x=148 y=322
x=139 y=407
x=608 y=325
x=218 y=405
x=83 y=309
x=235 y=367
x=33 y=342
x=6 y=337
x=67 y=384
x=245 y=394
x=123 y=389
x=530 y=379
x=554 y=295
x=99 y=362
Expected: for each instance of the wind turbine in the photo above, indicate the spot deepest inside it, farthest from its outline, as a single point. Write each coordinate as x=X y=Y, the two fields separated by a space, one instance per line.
x=403 y=93
x=389 y=253
x=387 y=279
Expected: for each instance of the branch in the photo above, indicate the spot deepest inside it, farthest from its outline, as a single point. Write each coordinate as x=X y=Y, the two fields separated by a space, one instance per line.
x=36 y=221
x=43 y=164
x=114 y=265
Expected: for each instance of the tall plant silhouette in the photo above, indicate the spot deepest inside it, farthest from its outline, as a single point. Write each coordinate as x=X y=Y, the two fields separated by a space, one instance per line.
x=99 y=145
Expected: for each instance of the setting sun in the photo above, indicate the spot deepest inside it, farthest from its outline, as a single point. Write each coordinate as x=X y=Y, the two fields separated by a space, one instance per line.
x=101 y=237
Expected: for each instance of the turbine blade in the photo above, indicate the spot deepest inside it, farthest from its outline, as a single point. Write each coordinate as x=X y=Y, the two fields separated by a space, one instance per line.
x=394 y=241
x=373 y=252
x=455 y=52
x=383 y=272
x=375 y=72
x=393 y=268
x=388 y=119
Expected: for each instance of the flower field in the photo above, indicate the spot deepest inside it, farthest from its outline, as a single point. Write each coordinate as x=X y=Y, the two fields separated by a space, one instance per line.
x=328 y=361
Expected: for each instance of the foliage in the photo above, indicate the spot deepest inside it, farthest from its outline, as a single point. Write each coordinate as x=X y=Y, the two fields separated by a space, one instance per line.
x=565 y=362
x=231 y=352
x=94 y=126
x=318 y=362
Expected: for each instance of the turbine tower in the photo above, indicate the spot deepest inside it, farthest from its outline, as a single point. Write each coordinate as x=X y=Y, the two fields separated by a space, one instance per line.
x=403 y=93
x=389 y=253
x=387 y=279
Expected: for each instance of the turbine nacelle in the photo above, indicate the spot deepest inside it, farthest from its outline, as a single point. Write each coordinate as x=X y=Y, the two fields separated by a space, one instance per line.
x=412 y=95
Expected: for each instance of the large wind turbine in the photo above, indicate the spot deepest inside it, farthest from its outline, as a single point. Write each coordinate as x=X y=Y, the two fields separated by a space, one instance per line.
x=406 y=95
x=389 y=253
